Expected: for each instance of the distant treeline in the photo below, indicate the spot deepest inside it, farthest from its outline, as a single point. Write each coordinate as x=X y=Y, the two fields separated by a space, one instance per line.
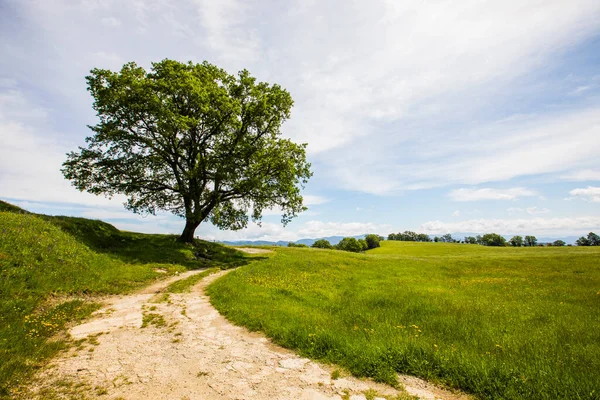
x=346 y=244
x=491 y=239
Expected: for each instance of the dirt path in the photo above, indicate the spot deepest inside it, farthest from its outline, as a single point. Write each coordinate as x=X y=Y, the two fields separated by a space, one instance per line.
x=182 y=348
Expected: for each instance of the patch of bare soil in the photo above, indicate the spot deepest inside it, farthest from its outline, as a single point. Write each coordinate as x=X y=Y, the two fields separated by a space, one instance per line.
x=253 y=250
x=147 y=346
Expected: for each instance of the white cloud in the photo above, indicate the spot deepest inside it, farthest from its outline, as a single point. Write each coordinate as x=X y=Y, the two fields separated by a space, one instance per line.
x=591 y=193
x=456 y=214
x=529 y=210
x=490 y=152
x=266 y=231
x=466 y=194
x=313 y=200
x=30 y=163
x=580 y=90
x=582 y=175
x=537 y=210
x=315 y=229
x=110 y=21
x=558 y=226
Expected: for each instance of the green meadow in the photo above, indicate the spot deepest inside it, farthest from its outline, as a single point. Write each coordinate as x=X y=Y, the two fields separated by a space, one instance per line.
x=499 y=323
x=496 y=322
x=52 y=270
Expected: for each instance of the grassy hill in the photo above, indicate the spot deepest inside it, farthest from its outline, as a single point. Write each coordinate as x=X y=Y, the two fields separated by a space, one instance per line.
x=500 y=323
x=52 y=267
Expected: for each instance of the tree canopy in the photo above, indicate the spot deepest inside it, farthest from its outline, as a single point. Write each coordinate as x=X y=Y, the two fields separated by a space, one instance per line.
x=193 y=140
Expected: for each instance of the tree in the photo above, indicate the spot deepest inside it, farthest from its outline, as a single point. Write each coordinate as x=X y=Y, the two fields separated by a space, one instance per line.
x=530 y=241
x=192 y=140
x=349 y=244
x=516 y=241
x=322 y=244
x=423 y=237
x=470 y=240
x=447 y=238
x=593 y=239
x=493 y=239
x=558 y=243
x=292 y=244
x=372 y=241
x=436 y=239
x=363 y=245
x=583 y=241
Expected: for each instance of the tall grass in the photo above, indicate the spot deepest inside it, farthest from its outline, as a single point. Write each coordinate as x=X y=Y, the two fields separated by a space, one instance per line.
x=501 y=323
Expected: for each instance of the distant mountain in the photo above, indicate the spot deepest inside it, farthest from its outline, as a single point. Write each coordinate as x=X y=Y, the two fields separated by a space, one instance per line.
x=332 y=239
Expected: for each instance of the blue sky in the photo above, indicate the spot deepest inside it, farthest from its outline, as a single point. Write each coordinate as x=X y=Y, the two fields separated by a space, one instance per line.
x=442 y=116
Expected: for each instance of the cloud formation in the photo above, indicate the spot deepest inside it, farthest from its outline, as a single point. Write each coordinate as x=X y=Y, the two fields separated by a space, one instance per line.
x=466 y=194
x=591 y=193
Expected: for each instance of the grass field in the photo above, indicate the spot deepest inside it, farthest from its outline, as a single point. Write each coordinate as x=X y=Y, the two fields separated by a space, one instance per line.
x=52 y=267
x=500 y=323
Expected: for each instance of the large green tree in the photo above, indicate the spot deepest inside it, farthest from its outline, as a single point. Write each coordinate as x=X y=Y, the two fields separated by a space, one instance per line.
x=193 y=140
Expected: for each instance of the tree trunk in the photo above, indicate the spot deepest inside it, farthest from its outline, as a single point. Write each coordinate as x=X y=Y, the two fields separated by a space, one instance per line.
x=187 y=236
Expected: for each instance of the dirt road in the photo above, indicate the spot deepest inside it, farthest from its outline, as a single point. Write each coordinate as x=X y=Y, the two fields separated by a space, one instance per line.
x=144 y=346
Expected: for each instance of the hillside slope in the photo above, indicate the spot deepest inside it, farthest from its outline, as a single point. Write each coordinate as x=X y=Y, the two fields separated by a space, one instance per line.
x=51 y=267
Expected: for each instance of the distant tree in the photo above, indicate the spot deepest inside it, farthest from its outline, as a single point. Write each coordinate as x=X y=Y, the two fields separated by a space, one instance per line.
x=436 y=239
x=479 y=239
x=530 y=241
x=470 y=240
x=516 y=241
x=423 y=237
x=593 y=239
x=583 y=241
x=381 y=238
x=392 y=236
x=192 y=140
x=558 y=243
x=447 y=238
x=493 y=239
x=322 y=244
x=363 y=244
x=349 y=244
x=372 y=241
x=292 y=244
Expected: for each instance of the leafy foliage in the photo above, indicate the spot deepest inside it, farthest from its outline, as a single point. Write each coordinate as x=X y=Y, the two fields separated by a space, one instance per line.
x=322 y=244
x=192 y=140
x=292 y=244
x=530 y=241
x=591 y=240
x=363 y=244
x=493 y=239
x=409 y=236
x=349 y=244
x=447 y=238
x=372 y=241
x=516 y=241
x=470 y=240
x=559 y=243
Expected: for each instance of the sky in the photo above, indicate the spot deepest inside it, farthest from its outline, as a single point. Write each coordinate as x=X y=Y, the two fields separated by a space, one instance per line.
x=437 y=117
